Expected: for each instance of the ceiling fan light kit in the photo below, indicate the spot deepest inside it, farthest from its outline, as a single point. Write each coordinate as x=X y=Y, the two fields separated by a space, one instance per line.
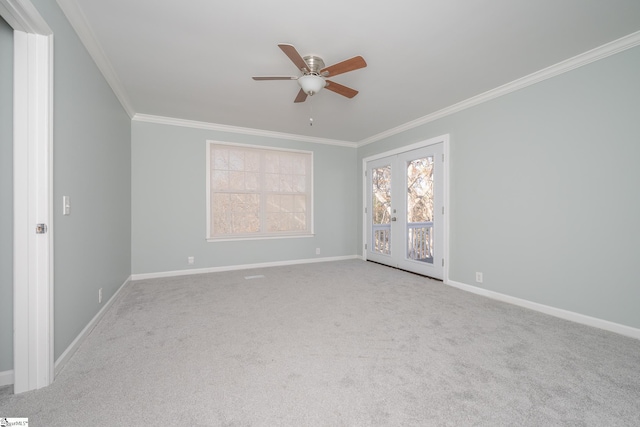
x=314 y=73
x=311 y=83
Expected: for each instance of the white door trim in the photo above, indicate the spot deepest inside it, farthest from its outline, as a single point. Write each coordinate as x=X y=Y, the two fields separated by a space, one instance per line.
x=32 y=170
x=444 y=139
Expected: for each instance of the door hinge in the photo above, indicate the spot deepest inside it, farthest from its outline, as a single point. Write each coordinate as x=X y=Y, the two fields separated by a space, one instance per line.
x=365 y=210
x=443 y=262
x=443 y=157
x=365 y=246
x=443 y=210
x=41 y=228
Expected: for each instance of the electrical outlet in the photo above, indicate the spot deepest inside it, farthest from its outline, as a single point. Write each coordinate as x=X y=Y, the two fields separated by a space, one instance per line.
x=478 y=277
x=100 y=296
x=191 y=260
x=317 y=251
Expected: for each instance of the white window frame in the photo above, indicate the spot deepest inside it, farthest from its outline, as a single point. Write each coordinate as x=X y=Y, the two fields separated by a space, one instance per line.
x=263 y=235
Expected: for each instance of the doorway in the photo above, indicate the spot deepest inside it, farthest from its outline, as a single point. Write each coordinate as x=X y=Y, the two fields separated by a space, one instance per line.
x=405 y=208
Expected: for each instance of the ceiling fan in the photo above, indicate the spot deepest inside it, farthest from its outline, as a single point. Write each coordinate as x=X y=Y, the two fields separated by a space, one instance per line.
x=314 y=73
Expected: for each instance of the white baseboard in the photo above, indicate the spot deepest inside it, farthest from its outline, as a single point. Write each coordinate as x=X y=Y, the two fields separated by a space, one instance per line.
x=6 y=378
x=143 y=276
x=68 y=353
x=552 y=311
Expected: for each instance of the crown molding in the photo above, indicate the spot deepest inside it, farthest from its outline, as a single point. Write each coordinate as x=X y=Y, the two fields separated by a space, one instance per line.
x=616 y=46
x=235 y=129
x=22 y=15
x=78 y=21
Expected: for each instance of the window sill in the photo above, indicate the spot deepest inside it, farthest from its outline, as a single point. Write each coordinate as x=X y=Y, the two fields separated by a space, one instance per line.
x=262 y=237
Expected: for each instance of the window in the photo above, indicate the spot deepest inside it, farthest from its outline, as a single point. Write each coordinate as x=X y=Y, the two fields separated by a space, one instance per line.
x=256 y=192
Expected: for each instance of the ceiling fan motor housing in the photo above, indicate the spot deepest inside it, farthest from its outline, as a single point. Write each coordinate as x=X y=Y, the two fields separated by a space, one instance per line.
x=315 y=64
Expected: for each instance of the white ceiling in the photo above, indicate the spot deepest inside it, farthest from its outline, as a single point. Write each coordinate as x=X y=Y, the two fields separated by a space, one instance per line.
x=194 y=59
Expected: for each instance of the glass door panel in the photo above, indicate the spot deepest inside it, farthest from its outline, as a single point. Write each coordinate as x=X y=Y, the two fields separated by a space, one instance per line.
x=420 y=209
x=381 y=209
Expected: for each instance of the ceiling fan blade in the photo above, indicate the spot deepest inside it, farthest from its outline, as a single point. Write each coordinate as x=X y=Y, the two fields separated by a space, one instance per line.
x=302 y=96
x=294 y=56
x=340 y=89
x=275 y=78
x=342 y=67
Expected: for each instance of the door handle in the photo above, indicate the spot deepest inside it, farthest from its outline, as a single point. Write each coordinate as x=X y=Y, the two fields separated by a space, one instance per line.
x=393 y=218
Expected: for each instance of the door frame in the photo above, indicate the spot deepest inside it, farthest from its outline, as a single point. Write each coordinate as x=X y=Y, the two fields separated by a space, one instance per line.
x=444 y=139
x=33 y=365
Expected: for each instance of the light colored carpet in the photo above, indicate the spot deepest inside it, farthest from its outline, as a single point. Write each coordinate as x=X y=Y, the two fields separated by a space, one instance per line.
x=345 y=343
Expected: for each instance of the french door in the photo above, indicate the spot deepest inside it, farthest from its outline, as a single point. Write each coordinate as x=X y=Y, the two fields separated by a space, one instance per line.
x=405 y=210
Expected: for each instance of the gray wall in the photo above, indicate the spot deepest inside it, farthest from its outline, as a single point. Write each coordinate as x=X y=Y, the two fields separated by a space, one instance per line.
x=169 y=209
x=92 y=165
x=6 y=196
x=544 y=190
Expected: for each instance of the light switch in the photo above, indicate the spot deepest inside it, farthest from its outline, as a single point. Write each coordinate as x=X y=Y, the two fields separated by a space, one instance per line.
x=66 y=205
